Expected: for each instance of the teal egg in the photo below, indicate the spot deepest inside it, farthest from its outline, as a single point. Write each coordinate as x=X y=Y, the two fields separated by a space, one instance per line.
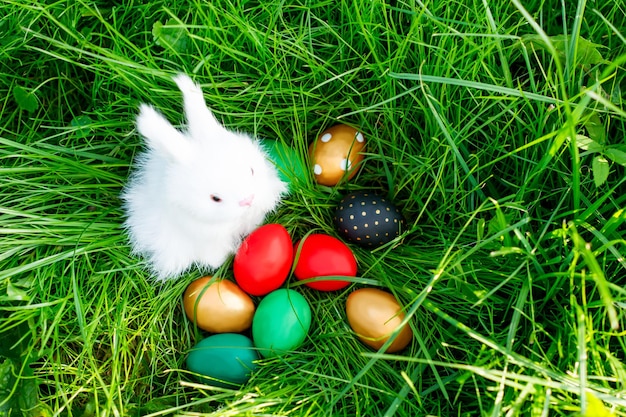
x=286 y=160
x=226 y=359
x=281 y=322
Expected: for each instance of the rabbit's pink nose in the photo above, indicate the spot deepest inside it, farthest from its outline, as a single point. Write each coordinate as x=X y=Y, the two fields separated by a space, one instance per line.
x=247 y=201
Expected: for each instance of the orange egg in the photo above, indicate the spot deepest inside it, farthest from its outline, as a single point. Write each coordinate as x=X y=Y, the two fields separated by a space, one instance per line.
x=374 y=314
x=218 y=306
x=336 y=153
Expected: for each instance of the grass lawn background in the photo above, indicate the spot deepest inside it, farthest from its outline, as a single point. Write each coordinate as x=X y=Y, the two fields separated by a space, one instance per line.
x=498 y=129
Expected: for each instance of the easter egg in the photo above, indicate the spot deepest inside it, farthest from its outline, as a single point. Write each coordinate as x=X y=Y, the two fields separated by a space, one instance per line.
x=373 y=315
x=320 y=255
x=287 y=161
x=219 y=306
x=367 y=219
x=225 y=359
x=336 y=153
x=263 y=260
x=281 y=322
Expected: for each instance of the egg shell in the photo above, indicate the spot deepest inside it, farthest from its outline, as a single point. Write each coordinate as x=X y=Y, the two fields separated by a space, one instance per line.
x=290 y=167
x=367 y=219
x=264 y=259
x=281 y=322
x=226 y=359
x=337 y=149
x=373 y=315
x=219 y=306
x=321 y=255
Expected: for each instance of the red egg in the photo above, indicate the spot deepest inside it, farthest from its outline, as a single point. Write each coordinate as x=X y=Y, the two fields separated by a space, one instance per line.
x=263 y=260
x=321 y=256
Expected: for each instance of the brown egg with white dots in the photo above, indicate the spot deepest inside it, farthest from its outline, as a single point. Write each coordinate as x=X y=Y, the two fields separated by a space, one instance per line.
x=337 y=153
x=368 y=219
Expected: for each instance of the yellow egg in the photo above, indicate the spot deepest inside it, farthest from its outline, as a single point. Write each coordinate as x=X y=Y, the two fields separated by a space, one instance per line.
x=373 y=315
x=336 y=153
x=219 y=306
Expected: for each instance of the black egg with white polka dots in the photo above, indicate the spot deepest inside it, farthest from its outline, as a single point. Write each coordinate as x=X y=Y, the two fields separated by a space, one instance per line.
x=367 y=219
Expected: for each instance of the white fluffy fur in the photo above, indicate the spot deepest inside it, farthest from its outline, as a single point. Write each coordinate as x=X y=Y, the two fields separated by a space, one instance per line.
x=172 y=218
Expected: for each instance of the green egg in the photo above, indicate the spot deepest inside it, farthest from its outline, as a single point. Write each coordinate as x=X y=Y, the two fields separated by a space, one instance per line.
x=286 y=160
x=226 y=359
x=281 y=322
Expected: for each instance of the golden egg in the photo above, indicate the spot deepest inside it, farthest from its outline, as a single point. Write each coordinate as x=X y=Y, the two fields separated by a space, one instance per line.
x=218 y=306
x=373 y=315
x=336 y=153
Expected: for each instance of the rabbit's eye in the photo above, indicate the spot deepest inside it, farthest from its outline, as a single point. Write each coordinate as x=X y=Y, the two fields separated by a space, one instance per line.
x=215 y=198
x=252 y=171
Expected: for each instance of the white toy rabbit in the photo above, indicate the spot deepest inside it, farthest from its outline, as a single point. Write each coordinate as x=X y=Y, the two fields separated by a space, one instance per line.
x=195 y=193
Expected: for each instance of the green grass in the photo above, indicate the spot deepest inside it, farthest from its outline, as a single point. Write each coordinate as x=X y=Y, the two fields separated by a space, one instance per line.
x=512 y=265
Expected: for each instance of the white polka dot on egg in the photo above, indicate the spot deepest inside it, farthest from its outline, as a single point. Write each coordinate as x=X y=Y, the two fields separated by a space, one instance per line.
x=317 y=169
x=326 y=137
x=345 y=164
x=359 y=137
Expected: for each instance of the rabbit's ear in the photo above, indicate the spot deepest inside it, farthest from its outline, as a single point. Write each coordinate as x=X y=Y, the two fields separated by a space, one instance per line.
x=161 y=135
x=200 y=120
